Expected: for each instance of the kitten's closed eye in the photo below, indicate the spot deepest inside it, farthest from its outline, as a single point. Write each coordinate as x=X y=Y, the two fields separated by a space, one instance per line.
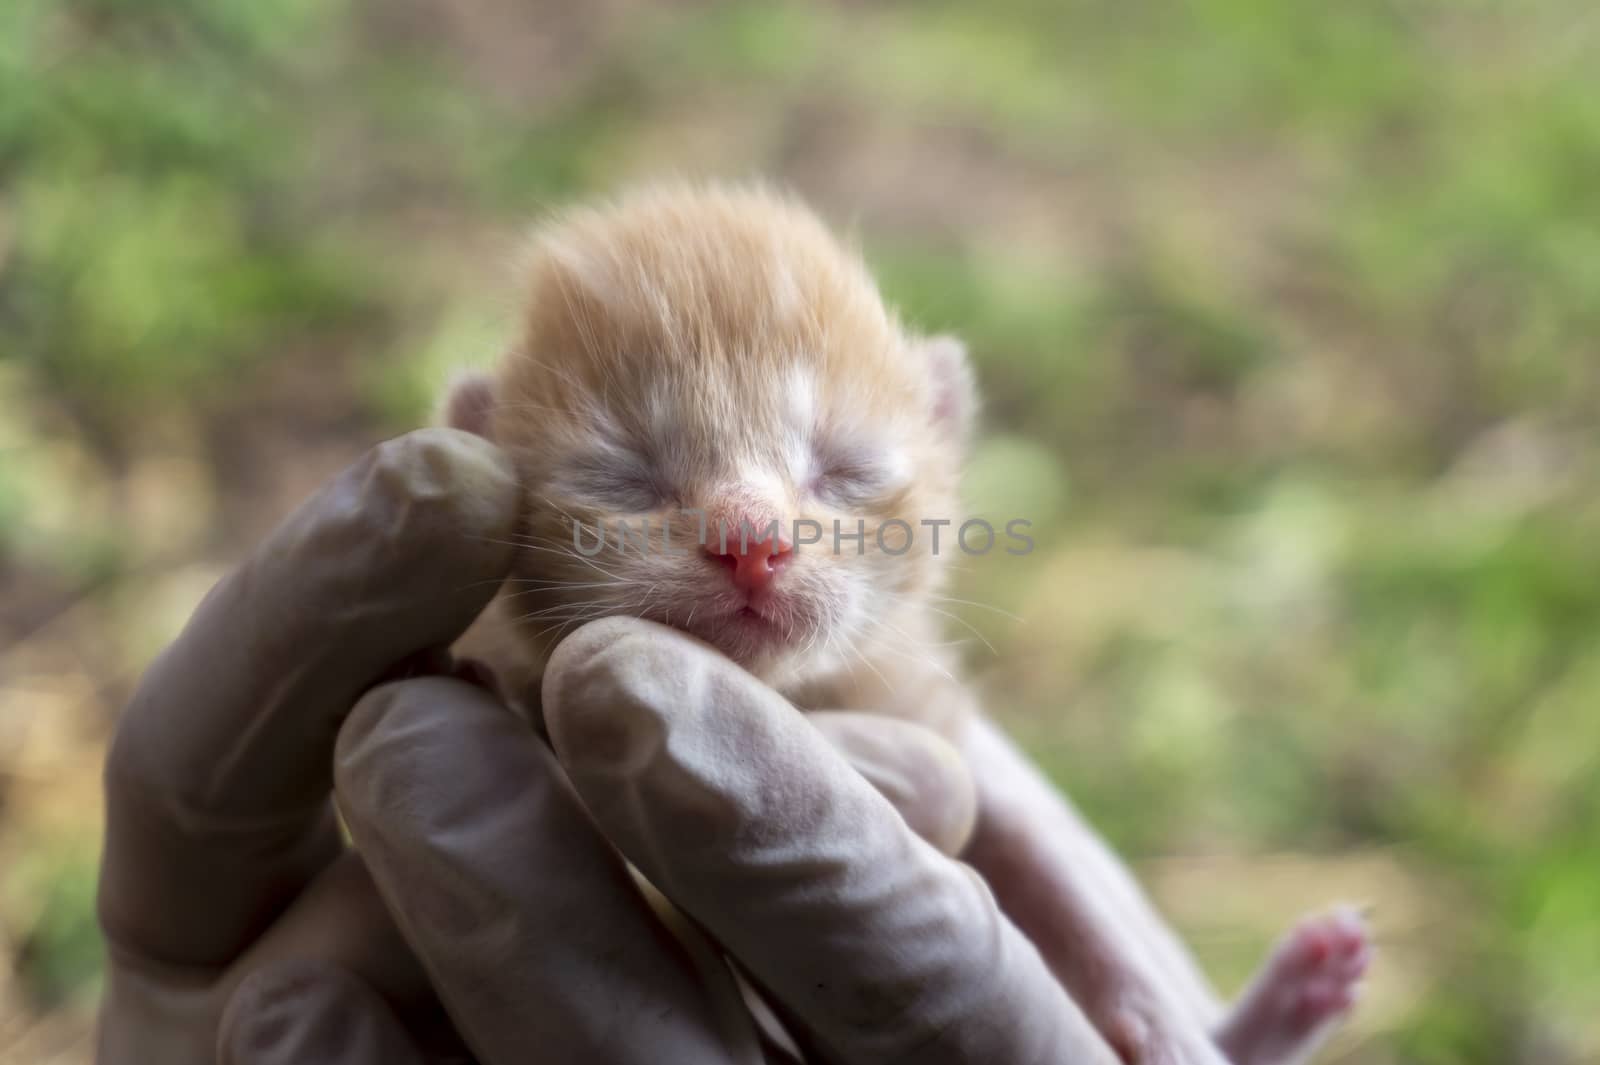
x=613 y=479
x=856 y=475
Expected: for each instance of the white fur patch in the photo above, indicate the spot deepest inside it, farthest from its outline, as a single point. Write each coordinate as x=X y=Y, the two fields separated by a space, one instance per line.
x=801 y=389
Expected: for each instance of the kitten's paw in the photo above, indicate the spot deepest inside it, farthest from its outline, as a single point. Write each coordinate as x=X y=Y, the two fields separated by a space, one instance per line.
x=1311 y=979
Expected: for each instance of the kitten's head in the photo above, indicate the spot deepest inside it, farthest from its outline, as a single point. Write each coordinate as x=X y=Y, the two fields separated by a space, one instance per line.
x=713 y=362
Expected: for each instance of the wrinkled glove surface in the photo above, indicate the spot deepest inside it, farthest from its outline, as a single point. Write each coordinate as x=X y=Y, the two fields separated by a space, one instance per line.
x=486 y=912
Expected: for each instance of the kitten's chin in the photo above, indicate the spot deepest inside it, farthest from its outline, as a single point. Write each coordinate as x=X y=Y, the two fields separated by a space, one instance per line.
x=768 y=649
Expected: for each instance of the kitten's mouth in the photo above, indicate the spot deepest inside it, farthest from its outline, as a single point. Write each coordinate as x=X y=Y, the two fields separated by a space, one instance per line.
x=747 y=634
x=752 y=626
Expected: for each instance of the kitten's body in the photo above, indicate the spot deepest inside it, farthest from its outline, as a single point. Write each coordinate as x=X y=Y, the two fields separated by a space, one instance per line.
x=716 y=355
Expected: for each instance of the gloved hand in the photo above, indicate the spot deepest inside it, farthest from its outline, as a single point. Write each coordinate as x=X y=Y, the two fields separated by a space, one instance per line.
x=486 y=877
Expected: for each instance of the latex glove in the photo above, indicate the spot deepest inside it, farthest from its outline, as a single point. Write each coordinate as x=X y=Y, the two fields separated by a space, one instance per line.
x=877 y=946
x=241 y=930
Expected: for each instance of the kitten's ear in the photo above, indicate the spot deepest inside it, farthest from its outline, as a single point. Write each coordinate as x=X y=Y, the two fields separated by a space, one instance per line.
x=469 y=403
x=955 y=392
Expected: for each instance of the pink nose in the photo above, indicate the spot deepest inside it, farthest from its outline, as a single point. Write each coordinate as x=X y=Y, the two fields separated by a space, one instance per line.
x=755 y=563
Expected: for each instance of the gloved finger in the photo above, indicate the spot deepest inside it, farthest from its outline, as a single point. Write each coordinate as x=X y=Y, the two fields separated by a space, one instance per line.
x=522 y=914
x=311 y=1013
x=218 y=778
x=740 y=812
x=921 y=774
x=340 y=919
x=1033 y=873
x=153 y=1013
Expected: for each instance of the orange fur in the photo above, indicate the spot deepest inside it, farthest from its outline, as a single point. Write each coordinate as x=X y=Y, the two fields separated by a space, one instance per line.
x=712 y=346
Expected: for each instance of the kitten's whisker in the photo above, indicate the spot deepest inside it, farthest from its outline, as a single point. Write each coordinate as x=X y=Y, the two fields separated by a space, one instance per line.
x=508 y=596
x=574 y=556
x=919 y=659
x=864 y=660
x=980 y=606
x=959 y=620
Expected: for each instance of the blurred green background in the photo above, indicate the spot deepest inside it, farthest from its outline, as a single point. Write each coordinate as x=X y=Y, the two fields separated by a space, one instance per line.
x=1286 y=315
